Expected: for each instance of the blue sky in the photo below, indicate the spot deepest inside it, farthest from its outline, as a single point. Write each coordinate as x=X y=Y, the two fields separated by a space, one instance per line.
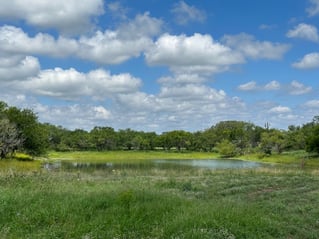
x=160 y=65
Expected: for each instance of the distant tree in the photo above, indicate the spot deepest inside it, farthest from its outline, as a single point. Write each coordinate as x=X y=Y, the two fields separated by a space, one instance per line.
x=272 y=140
x=178 y=139
x=312 y=141
x=295 y=138
x=9 y=138
x=104 y=138
x=34 y=134
x=226 y=148
x=125 y=138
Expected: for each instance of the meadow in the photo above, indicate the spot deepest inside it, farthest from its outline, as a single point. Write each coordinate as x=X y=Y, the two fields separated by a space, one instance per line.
x=276 y=202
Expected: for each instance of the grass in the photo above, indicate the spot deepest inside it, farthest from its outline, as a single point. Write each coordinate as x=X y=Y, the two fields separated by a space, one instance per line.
x=153 y=203
x=295 y=158
x=272 y=202
x=127 y=156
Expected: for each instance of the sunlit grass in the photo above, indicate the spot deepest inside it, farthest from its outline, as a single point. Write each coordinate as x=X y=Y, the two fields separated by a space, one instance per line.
x=262 y=203
x=127 y=156
x=296 y=158
x=13 y=165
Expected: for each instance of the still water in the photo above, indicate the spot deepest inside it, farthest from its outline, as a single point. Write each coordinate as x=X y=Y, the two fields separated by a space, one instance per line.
x=160 y=164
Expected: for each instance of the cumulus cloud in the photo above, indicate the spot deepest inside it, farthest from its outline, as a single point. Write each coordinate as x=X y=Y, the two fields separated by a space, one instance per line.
x=108 y=47
x=304 y=31
x=192 y=54
x=252 y=85
x=70 y=16
x=182 y=79
x=312 y=104
x=309 y=61
x=14 y=40
x=72 y=116
x=252 y=48
x=117 y=10
x=314 y=8
x=185 y=13
x=18 y=67
x=177 y=107
x=273 y=85
x=71 y=84
x=297 y=88
x=280 y=109
x=114 y=47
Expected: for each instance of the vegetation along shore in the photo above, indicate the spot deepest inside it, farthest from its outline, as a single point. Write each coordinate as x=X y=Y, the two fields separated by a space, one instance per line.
x=156 y=202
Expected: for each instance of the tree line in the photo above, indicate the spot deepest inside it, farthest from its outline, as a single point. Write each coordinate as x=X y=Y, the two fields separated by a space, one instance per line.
x=20 y=130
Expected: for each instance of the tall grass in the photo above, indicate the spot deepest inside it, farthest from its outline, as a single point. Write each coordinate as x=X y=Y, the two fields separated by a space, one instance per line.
x=155 y=203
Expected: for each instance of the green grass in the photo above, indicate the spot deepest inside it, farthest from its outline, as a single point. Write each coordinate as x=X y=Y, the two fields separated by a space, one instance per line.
x=153 y=203
x=127 y=156
x=295 y=158
x=272 y=202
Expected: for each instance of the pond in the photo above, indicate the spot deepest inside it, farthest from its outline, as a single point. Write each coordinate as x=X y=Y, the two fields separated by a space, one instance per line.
x=159 y=164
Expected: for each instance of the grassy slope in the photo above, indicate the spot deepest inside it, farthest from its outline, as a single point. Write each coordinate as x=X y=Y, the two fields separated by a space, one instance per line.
x=265 y=203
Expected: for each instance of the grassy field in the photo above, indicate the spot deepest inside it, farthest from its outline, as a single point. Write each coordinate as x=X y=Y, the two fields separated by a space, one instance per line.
x=157 y=203
x=127 y=156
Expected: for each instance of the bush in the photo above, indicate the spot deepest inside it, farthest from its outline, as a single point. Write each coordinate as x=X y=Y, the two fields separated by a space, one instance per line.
x=226 y=149
x=23 y=157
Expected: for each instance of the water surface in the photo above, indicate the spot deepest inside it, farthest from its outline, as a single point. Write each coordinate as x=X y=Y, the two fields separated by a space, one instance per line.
x=160 y=164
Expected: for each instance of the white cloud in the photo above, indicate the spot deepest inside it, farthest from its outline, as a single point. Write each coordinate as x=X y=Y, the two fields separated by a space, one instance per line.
x=192 y=92
x=252 y=85
x=312 y=104
x=280 y=110
x=114 y=47
x=273 y=85
x=185 y=13
x=192 y=54
x=304 y=31
x=18 y=68
x=71 y=84
x=181 y=79
x=117 y=10
x=74 y=116
x=314 y=8
x=251 y=48
x=14 y=40
x=101 y=112
x=309 y=61
x=71 y=16
x=108 y=47
x=297 y=88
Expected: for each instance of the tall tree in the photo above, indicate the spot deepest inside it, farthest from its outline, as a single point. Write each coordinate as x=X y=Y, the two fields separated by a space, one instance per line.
x=34 y=134
x=9 y=138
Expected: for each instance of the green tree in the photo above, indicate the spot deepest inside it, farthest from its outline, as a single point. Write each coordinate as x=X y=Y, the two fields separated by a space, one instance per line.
x=312 y=141
x=9 y=138
x=178 y=139
x=104 y=138
x=226 y=148
x=34 y=134
x=272 y=140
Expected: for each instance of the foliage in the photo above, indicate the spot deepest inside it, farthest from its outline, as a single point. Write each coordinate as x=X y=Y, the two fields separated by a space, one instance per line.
x=313 y=140
x=30 y=130
x=226 y=148
x=272 y=140
x=9 y=138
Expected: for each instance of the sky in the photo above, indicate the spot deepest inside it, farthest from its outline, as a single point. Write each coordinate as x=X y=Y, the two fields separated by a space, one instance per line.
x=161 y=65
